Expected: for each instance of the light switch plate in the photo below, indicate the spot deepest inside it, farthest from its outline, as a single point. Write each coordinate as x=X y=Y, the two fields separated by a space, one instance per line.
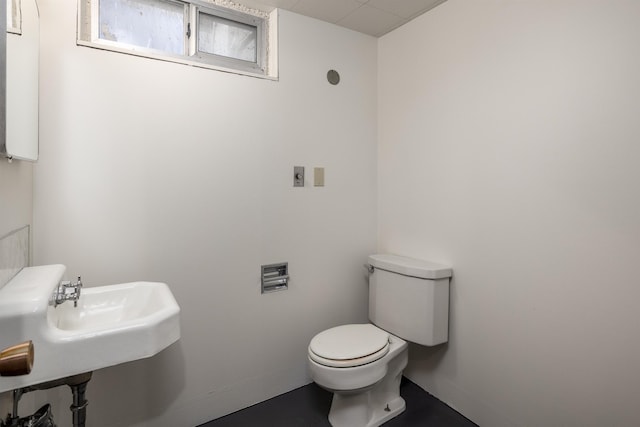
x=298 y=176
x=318 y=177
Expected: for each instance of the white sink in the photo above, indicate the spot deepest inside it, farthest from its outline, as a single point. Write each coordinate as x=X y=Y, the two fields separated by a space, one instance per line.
x=110 y=325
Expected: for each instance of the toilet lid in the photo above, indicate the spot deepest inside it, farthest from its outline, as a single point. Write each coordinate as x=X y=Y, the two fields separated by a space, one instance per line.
x=349 y=345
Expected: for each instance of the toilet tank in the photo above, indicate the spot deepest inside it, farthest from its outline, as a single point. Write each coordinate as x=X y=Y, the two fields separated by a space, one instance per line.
x=410 y=298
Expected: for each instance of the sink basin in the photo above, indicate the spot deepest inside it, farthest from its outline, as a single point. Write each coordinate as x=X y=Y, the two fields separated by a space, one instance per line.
x=112 y=307
x=110 y=325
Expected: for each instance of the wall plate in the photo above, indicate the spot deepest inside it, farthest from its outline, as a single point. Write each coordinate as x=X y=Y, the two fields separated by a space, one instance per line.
x=298 y=176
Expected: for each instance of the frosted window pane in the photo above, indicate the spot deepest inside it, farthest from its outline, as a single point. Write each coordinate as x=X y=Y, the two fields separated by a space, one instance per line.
x=152 y=24
x=228 y=38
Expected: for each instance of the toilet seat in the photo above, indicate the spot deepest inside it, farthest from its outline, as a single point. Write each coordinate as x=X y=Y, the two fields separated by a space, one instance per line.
x=349 y=345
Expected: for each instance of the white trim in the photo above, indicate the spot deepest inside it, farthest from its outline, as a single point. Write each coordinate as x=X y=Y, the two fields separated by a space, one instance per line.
x=14 y=26
x=94 y=19
x=83 y=26
x=272 y=43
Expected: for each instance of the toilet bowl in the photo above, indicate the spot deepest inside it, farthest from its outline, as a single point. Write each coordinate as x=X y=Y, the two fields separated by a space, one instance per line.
x=362 y=365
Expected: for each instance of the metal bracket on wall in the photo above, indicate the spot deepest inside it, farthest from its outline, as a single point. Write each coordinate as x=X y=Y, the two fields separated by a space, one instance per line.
x=274 y=277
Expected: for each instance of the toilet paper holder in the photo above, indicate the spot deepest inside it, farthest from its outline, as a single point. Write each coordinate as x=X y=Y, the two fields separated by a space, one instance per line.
x=274 y=277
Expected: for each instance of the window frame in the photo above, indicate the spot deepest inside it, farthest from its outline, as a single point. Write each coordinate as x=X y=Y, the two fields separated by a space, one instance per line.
x=264 y=67
x=231 y=15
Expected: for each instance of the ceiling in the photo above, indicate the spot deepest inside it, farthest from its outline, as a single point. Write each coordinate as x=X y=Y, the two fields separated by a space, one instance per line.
x=373 y=17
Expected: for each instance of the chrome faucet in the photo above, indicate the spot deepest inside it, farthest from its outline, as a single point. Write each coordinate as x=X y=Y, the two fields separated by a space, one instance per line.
x=66 y=291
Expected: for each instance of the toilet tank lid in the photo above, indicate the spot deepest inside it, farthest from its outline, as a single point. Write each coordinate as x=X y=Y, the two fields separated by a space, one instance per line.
x=410 y=266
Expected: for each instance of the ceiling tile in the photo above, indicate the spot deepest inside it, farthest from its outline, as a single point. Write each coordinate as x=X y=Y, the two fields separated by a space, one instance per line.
x=374 y=17
x=326 y=10
x=372 y=21
x=404 y=8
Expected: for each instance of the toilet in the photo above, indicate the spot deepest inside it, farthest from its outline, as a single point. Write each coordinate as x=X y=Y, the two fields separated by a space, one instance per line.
x=362 y=364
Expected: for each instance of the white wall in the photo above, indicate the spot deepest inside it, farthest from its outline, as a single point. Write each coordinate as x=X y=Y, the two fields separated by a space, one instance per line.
x=16 y=190
x=508 y=148
x=160 y=171
x=16 y=194
x=16 y=211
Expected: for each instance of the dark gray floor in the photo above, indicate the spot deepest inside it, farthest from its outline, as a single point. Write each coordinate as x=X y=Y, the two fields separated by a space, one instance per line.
x=308 y=406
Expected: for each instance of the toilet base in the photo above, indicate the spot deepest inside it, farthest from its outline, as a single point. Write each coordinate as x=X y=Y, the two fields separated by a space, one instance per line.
x=355 y=410
x=372 y=407
x=366 y=395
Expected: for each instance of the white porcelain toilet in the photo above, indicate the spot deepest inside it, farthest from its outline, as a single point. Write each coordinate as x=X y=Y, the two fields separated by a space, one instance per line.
x=362 y=364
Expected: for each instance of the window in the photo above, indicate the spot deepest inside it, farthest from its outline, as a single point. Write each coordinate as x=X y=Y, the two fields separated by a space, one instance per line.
x=150 y=24
x=224 y=37
x=190 y=31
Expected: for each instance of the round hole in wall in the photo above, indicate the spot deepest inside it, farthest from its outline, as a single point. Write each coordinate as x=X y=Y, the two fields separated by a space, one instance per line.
x=333 y=77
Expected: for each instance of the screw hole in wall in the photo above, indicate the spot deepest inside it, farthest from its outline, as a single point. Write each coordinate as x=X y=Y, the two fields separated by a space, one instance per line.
x=333 y=77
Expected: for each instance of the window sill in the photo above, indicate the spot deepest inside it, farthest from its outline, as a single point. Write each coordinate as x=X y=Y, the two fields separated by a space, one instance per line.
x=163 y=57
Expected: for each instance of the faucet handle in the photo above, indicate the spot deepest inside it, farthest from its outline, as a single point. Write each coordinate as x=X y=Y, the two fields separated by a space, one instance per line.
x=66 y=291
x=78 y=288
